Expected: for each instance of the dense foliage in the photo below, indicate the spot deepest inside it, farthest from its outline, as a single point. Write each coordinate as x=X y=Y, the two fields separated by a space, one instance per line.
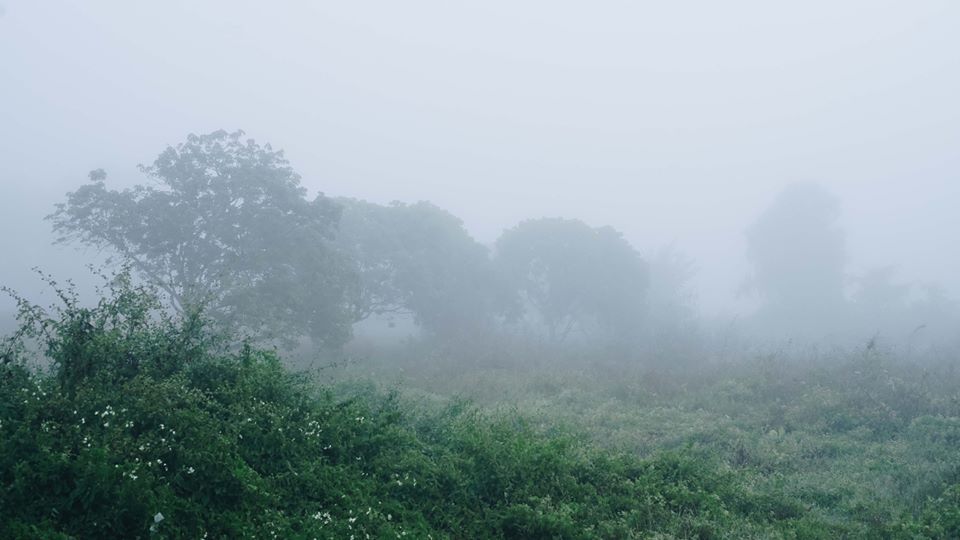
x=147 y=424
x=419 y=260
x=575 y=279
x=840 y=444
x=225 y=224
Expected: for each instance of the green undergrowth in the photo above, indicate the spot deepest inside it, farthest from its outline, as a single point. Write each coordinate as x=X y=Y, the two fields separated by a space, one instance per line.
x=146 y=426
x=857 y=445
x=143 y=425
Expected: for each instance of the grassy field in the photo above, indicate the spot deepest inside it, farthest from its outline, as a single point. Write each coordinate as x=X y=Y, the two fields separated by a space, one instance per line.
x=856 y=440
x=143 y=426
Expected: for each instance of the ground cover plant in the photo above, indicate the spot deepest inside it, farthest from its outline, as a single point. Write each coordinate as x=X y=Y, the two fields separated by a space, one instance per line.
x=148 y=425
x=856 y=442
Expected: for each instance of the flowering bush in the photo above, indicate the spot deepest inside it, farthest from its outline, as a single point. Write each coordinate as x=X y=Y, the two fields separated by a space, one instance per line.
x=145 y=425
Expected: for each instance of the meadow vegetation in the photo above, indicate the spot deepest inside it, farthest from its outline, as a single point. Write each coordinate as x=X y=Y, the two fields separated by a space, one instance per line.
x=849 y=443
x=139 y=424
x=555 y=385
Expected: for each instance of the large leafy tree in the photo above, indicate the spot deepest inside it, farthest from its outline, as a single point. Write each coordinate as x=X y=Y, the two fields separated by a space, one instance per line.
x=572 y=277
x=419 y=260
x=225 y=224
x=797 y=250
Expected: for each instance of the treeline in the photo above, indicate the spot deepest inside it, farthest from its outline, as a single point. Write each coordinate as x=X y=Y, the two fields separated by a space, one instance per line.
x=800 y=270
x=225 y=225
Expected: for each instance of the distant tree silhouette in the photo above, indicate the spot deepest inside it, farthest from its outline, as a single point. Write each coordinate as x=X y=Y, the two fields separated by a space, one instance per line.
x=797 y=250
x=419 y=260
x=571 y=276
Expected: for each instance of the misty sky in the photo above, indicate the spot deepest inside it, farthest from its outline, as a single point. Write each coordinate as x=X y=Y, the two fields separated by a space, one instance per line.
x=671 y=121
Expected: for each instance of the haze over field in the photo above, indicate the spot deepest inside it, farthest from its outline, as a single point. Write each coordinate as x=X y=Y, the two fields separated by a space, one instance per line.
x=505 y=270
x=673 y=123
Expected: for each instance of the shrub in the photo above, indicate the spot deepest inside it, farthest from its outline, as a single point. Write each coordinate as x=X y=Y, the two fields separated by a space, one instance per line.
x=147 y=425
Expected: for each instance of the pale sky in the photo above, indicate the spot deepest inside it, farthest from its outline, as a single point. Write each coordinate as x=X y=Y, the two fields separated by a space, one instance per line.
x=671 y=121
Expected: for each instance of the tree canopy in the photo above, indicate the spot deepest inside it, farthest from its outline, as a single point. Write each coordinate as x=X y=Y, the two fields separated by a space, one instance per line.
x=797 y=251
x=571 y=276
x=225 y=224
x=418 y=259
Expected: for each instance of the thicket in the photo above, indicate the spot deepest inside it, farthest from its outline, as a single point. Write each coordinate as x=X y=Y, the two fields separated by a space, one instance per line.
x=122 y=421
x=142 y=424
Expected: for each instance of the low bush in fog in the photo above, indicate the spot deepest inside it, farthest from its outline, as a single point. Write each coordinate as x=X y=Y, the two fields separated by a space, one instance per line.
x=857 y=444
x=144 y=424
x=148 y=424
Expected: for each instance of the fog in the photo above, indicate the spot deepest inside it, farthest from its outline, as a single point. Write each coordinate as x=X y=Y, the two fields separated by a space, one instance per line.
x=439 y=269
x=677 y=124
